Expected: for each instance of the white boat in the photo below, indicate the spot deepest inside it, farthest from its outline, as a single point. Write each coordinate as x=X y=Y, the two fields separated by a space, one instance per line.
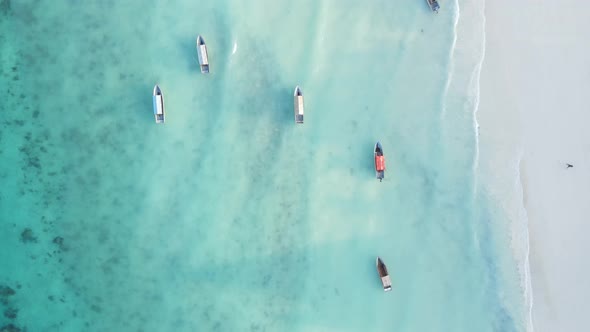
x=384 y=275
x=159 y=113
x=433 y=5
x=203 y=57
x=298 y=104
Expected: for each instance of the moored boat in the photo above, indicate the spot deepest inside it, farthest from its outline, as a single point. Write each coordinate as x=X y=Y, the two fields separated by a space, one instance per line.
x=203 y=56
x=159 y=113
x=298 y=104
x=384 y=275
x=379 y=162
x=433 y=5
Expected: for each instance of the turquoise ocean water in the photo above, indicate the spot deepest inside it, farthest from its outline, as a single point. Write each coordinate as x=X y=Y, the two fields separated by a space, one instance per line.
x=230 y=217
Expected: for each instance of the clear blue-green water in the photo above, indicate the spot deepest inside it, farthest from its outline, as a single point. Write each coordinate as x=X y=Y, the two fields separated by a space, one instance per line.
x=229 y=217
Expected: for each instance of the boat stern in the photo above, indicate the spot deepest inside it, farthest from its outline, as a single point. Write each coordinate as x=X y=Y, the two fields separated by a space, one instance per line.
x=386 y=281
x=434 y=6
x=380 y=175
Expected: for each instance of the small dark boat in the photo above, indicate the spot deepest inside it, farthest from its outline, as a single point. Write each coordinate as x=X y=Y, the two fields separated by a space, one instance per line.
x=158 y=97
x=203 y=56
x=379 y=162
x=433 y=5
x=298 y=104
x=384 y=275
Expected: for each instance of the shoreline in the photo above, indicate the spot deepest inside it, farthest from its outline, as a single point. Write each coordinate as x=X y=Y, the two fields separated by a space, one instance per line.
x=533 y=82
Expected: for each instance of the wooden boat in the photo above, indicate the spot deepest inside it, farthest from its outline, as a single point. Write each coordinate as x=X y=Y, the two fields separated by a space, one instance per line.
x=433 y=5
x=202 y=53
x=384 y=275
x=159 y=112
x=379 y=162
x=298 y=104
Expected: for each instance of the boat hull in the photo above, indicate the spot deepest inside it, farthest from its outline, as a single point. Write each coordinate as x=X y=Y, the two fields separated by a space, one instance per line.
x=379 y=162
x=158 y=102
x=434 y=6
x=383 y=275
x=298 y=105
x=203 y=55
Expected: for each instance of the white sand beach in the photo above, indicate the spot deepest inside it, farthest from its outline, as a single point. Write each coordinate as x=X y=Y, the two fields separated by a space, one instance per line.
x=534 y=84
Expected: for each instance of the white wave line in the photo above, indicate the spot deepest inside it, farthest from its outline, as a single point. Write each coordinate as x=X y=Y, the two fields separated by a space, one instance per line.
x=477 y=77
x=528 y=285
x=451 y=69
x=528 y=291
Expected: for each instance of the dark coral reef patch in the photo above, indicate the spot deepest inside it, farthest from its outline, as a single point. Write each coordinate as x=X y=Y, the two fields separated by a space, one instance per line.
x=27 y=236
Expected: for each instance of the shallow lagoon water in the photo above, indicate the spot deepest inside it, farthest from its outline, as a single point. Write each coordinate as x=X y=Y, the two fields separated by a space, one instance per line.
x=229 y=217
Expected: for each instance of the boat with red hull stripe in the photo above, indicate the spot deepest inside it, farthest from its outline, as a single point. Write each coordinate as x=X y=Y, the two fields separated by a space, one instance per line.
x=379 y=162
